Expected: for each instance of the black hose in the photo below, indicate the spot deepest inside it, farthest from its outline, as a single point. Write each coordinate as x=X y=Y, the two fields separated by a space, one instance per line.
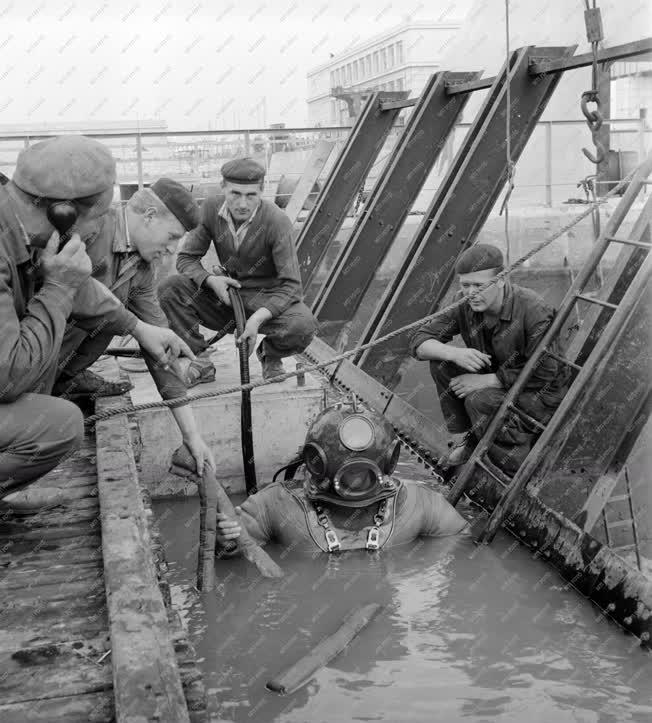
x=245 y=409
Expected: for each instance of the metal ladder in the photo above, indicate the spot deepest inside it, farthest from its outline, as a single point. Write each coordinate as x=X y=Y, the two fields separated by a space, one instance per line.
x=512 y=486
x=629 y=522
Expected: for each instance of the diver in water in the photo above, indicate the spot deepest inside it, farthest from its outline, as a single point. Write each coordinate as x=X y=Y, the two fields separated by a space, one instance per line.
x=343 y=496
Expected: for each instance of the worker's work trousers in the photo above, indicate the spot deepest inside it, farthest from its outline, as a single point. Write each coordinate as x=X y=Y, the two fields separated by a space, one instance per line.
x=81 y=349
x=187 y=307
x=474 y=413
x=36 y=433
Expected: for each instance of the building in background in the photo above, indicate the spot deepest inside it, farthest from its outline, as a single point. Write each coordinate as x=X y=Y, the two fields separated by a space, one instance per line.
x=401 y=59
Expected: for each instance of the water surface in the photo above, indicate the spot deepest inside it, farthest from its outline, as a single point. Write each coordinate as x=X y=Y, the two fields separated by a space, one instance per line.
x=466 y=633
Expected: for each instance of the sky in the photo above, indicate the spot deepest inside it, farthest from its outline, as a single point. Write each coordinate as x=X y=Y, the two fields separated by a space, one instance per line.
x=194 y=64
x=232 y=64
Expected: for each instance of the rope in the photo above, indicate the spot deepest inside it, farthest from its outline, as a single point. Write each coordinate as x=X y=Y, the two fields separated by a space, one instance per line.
x=180 y=401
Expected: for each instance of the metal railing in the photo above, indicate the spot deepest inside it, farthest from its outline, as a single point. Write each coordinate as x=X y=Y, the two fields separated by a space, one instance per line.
x=198 y=153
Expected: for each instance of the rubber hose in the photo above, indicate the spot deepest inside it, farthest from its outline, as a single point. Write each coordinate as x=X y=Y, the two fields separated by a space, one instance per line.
x=245 y=408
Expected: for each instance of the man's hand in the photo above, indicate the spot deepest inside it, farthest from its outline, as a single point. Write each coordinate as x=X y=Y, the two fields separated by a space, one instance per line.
x=201 y=453
x=227 y=528
x=250 y=334
x=69 y=267
x=254 y=322
x=219 y=285
x=463 y=385
x=470 y=359
x=163 y=344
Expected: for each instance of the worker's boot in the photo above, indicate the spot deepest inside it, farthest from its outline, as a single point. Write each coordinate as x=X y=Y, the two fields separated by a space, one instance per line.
x=88 y=384
x=272 y=366
x=461 y=448
x=201 y=370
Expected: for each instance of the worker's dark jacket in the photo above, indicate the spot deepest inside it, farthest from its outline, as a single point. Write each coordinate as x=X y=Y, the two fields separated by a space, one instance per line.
x=265 y=263
x=524 y=318
x=132 y=280
x=33 y=312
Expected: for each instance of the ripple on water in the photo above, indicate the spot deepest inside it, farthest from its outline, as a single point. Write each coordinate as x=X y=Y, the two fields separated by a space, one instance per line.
x=466 y=634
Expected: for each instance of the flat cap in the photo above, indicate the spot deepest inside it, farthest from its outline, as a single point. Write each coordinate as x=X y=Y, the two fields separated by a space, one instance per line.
x=65 y=168
x=479 y=258
x=178 y=200
x=243 y=170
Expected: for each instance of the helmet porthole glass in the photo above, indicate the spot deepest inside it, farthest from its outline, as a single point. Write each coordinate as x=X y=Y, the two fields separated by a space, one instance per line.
x=356 y=479
x=357 y=433
x=315 y=459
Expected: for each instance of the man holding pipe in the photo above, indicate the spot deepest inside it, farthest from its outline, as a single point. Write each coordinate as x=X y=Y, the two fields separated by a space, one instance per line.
x=127 y=243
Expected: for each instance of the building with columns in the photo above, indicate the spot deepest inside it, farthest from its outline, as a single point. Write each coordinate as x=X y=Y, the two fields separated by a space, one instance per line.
x=400 y=59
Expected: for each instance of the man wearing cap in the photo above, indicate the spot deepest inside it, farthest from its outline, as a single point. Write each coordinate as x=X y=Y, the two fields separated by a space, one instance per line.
x=40 y=288
x=254 y=241
x=501 y=327
x=128 y=240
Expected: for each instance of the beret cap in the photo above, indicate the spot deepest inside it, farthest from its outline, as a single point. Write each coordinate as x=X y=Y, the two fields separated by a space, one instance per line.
x=243 y=170
x=178 y=200
x=478 y=258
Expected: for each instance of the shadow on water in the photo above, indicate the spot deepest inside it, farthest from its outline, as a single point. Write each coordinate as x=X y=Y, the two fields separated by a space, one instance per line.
x=465 y=634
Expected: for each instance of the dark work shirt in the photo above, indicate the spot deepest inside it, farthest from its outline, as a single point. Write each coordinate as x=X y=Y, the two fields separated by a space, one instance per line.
x=523 y=319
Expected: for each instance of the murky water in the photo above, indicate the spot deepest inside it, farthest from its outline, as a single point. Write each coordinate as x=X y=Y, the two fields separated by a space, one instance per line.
x=465 y=634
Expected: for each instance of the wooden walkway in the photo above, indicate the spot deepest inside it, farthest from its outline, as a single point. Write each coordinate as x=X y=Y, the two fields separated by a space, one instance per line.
x=54 y=628
x=87 y=630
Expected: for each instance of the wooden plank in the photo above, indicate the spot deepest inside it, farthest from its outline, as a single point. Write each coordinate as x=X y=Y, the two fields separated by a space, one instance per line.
x=86 y=708
x=50 y=558
x=75 y=629
x=26 y=579
x=146 y=680
x=37 y=617
x=65 y=674
x=316 y=162
x=20 y=547
x=44 y=534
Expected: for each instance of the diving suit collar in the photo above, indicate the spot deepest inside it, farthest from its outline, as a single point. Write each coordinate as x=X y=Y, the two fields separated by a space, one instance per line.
x=388 y=488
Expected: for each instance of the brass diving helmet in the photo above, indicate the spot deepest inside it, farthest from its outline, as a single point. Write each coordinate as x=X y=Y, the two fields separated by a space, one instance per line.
x=350 y=453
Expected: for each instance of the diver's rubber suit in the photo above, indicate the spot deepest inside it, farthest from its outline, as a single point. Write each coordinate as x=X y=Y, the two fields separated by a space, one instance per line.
x=281 y=513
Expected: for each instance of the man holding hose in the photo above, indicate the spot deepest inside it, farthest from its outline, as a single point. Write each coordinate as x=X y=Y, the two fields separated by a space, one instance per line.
x=254 y=241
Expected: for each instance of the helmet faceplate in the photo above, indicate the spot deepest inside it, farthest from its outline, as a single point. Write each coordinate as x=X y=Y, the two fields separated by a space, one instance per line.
x=350 y=453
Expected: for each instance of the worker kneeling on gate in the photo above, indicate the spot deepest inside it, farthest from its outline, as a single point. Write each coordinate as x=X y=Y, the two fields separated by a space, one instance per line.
x=41 y=287
x=501 y=327
x=254 y=241
x=345 y=495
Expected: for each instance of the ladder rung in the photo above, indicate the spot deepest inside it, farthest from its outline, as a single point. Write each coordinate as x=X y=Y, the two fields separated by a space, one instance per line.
x=526 y=417
x=496 y=473
x=563 y=359
x=591 y=300
x=620 y=523
x=618 y=498
x=626 y=241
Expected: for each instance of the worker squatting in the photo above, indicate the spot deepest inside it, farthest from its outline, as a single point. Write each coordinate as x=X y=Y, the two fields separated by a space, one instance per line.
x=60 y=305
